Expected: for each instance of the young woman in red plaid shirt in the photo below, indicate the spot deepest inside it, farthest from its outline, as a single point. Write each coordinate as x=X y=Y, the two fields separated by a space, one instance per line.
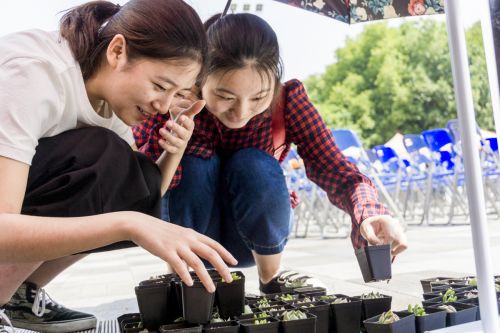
x=229 y=185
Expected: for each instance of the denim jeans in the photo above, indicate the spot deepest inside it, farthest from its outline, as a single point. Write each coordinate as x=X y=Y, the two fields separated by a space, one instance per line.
x=241 y=201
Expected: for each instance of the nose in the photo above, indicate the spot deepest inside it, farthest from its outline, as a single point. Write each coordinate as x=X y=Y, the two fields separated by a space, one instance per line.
x=242 y=110
x=162 y=103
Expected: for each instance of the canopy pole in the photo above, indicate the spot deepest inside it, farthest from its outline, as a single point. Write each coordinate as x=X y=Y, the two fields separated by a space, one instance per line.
x=473 y=171
x=491 y=65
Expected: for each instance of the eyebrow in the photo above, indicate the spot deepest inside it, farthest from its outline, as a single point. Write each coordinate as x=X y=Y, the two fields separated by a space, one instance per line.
x=232 y=93
x=169 y=81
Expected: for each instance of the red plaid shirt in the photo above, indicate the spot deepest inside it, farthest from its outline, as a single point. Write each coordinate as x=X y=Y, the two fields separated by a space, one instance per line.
x=346 y=187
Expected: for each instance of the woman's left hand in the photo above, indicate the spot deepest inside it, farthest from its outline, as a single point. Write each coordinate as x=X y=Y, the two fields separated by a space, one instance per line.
x=178 y=131
x=384 y=229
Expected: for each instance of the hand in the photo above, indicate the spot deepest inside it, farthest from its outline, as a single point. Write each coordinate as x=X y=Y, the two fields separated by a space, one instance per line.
x=179 y=246
x=384 y=229
x=181 y=125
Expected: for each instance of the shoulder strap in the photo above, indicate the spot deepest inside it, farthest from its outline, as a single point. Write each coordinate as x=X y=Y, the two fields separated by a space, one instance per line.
x=278 y=124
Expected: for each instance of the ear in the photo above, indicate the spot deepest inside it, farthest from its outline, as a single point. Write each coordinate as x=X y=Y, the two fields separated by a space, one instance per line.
x=116 y=53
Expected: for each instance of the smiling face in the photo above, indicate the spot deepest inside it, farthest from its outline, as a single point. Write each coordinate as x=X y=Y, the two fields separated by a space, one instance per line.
x=136 y=89
x=236 y=96
x=147 y=87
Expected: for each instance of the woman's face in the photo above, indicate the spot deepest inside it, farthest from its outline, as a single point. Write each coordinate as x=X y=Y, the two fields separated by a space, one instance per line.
x=237 y=96
x=146 y=87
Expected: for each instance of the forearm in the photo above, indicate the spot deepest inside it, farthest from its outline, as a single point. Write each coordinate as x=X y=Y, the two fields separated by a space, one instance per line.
x=168 y=163
x=33 y=238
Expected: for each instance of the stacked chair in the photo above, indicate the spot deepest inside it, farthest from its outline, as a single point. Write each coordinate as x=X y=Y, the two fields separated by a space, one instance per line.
x=426 y=186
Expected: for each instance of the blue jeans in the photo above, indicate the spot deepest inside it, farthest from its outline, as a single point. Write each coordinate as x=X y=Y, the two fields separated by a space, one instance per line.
x=241 y=201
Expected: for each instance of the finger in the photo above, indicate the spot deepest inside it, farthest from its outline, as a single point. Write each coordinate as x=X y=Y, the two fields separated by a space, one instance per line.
x=195 y=108
x=186 y=122
x=368 y=233
x=178 y=130
x=214 y=258
x=197 y=265
x=180 y=268
x=399 y=246
x=174 y=139
x=221 y=250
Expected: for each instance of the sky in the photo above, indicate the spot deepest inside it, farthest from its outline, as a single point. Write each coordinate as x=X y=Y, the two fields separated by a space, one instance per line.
x=307 y=40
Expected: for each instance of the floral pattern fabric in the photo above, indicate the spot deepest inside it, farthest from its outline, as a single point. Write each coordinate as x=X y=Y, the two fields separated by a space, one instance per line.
x=355 y=11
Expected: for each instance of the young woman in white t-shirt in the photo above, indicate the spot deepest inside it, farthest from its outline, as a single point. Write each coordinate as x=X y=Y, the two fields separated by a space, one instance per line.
x=70 y=182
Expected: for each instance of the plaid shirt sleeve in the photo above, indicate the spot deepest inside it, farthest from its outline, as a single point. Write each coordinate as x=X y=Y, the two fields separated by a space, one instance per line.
x=346 y=187
x=146 y=137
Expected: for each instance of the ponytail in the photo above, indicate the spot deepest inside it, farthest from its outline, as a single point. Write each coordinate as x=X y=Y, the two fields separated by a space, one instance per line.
x=80 y=27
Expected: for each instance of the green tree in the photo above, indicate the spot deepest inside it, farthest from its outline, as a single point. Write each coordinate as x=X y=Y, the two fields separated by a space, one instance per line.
x=392 y=79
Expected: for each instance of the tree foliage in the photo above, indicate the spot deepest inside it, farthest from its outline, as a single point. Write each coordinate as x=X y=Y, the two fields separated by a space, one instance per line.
x=391 y=79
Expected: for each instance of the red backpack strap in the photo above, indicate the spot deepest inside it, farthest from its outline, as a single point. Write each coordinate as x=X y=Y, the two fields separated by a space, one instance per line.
x=278 y=124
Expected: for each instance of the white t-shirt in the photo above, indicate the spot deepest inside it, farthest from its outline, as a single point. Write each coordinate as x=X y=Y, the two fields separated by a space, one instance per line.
x=42 y=94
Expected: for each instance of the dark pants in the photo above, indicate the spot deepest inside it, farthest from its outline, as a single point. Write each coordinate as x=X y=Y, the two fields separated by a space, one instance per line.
x=91 y=171
x=241 y=201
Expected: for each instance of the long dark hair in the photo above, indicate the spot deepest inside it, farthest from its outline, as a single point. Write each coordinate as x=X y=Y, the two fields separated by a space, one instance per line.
x=155 y=29
x=239 y=40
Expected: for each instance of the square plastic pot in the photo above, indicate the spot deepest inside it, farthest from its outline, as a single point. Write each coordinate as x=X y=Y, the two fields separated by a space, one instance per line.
x=346 y=317
x=375 y=262
x=405 y=324
x=197 y=303
x=230 y=297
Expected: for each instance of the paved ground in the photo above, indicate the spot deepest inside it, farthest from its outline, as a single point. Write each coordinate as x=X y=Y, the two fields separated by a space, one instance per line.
x=104 y=283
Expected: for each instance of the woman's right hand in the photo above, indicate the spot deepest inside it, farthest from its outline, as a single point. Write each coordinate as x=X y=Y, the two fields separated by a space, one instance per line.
x=179 y=246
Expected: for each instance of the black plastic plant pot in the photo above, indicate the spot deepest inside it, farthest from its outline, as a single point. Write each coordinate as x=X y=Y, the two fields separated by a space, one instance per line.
x=282 y=296
x=311 y=291
x=230 y=297
x=180 y=327
x=299 y=325
x=128 y=318
x=322 y=312
x=473 y=301
x=153 y=304
x=433 y=320
x=197 y=303
x=375 y=262
x=249 y=326
x=432 y=301
x=346 y=317
x=426 y=283
x=406 y=324
x=374 y=306
x=225 y=327
x=465 y=314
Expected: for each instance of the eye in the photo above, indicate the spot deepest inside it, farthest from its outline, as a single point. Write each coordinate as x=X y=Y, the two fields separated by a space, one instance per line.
x=259 y=98
x=179 y=95
x=159 y=87
x=225 y=98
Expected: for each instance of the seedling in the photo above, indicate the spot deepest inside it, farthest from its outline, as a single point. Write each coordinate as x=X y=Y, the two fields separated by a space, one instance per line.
x=417 y=310
x=263 y=303
x=261 y=321
x=294 y=315
x=449 y=296
x=247 y=309
x=471 y=294
x=340 y=300
x=372 y=295
x=261 y=315
x=447 y=308
x=235 y=276
x=286 y=297
x=388 y=317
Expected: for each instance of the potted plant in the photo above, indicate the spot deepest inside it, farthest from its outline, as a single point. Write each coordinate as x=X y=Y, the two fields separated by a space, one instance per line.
x=128 y=318
x=345 y=314
x=319 y=309
x=197 y=303
x=266 y=325
x=375 y=262
x=230 y=297
x=297 y=321
x=389 y=322
x=457 y=313
x=180 y=327
x=426 y=283
x=449 y=296
x=426 y=320
x=373 y=304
